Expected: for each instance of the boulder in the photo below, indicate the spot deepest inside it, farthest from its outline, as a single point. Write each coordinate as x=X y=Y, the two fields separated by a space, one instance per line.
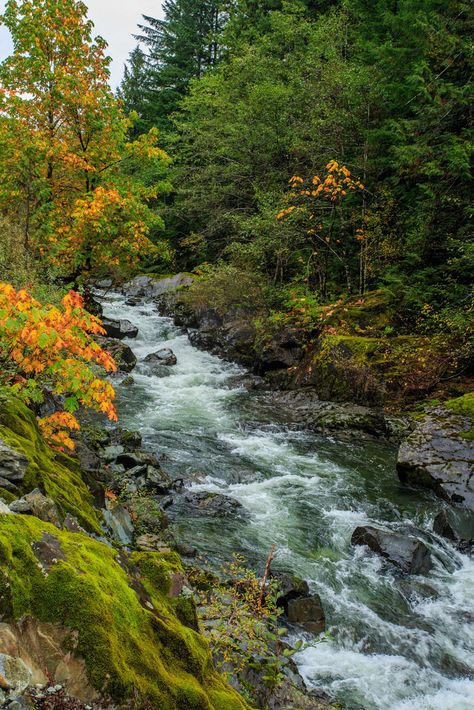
x=439 y=454
x=308 y=613
x=131 y=459
x=284 y=350
x=119 y=329
x=4 y=508
x=408 y=554
x=13 y=466
x=149 y=286
x=442 y=526
x=290 y=587
x=165 y=356
x=15 y=676
x=214 y=504
x=122 y=354
x=126 y=438
x=37 y=504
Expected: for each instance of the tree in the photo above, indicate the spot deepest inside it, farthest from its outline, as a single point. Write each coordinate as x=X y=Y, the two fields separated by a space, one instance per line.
x=134 y=87
x=63 y=141
x=181 y=47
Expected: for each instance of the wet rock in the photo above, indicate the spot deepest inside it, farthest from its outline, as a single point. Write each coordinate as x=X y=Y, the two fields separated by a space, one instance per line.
x=15 y=676
x=408 y=554
x=13 y=466
x=290 y=587
x=185 y=550
x=442 y=526
x=308 y=613
x=148 y=286
x=127 y=439
x=284 y=350
x=128 y=381
x=165 y=356
x=88 y=458
x=35 y=503
x=122 y=354
x=129 y=459
x=103 y=284
x=4 y=509
x=439 y=455
x=214 y=504
x=344 y=419
x=119 y=521
x=111 y=453
x=119 y=329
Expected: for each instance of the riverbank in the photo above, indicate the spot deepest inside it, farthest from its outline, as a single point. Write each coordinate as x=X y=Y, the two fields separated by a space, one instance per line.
x=306 y=493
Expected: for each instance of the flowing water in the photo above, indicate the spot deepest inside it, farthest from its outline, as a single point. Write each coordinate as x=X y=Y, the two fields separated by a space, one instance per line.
x=395 y=643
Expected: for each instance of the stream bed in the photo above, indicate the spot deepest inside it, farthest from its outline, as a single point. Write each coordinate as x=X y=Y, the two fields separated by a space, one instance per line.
x=395 y=642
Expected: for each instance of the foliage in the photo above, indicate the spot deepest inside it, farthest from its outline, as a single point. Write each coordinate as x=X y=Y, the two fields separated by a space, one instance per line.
x=63 y=142
x=241 y=621
x=180 y=47
x=46 y=347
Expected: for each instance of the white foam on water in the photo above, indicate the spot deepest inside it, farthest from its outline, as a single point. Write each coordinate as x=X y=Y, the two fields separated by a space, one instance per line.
x=390 y=649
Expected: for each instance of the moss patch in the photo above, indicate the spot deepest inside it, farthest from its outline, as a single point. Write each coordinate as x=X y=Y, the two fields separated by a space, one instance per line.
x=462 y=405
x=132 y=642
x=57 y=475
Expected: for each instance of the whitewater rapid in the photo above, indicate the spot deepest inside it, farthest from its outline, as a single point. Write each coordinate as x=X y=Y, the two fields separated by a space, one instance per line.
x=394 y=643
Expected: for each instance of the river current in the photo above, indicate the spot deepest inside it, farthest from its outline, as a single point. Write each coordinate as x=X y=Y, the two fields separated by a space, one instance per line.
x=394 y=643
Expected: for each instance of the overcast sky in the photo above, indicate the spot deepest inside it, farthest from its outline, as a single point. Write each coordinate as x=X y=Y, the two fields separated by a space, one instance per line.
x=115 y=20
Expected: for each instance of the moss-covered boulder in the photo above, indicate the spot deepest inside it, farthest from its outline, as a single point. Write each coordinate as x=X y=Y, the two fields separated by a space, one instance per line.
x=122 y=614
x=439 y=453
x=56 y=475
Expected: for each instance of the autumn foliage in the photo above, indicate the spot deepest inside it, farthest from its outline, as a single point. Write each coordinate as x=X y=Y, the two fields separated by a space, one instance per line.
x=49 y=348
x=66 y=164
x=321 y=204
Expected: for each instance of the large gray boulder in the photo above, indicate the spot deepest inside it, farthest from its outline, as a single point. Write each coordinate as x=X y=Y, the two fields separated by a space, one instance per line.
x=119 y=328
x=149 y=286
x=165 y=356
x=408 y=554
x=439 y=454
x=13 y=466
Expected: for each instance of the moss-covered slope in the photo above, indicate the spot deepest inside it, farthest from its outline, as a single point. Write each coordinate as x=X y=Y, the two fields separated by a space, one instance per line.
x=134 y=646
x=57 y=475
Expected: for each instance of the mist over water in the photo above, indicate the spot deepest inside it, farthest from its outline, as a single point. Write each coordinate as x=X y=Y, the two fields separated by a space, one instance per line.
x=396 y=643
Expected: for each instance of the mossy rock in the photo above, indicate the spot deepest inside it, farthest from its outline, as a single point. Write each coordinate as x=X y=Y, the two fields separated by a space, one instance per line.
x=121 y=611
x=462 y=405
x=57 y=475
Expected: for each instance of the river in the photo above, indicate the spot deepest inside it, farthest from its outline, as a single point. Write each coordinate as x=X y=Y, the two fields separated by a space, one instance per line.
x=395 y=643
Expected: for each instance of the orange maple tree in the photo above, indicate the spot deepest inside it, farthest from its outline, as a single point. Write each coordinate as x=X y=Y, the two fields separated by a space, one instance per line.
x=320 y=202
x=52 y=348
x=64 y=145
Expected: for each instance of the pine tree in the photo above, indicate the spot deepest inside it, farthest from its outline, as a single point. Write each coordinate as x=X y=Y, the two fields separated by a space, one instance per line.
x=181 y=47
x=133 y=90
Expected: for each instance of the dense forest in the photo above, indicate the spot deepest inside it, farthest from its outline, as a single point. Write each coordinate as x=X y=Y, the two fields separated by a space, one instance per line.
x=278 y=196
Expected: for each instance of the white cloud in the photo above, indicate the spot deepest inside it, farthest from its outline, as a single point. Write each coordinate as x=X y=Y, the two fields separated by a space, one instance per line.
x=115 y=20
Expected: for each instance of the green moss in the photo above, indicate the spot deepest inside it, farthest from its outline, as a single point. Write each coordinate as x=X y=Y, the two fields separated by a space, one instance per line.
x=57 y=475
x=462 y=405
x=131 y=640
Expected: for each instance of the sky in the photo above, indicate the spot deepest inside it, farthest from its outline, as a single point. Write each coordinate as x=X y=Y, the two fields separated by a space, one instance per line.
x=115 y=20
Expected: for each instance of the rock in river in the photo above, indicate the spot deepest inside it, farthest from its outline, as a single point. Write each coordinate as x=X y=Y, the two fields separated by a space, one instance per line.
x=119 y=329
x=165 y=356
x=122 y=354
x=439 y=454
x=407 y=553
x=308 y=612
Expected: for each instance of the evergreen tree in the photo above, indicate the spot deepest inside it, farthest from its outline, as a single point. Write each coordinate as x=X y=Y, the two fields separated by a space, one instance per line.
x=181 y=47
x=133 y=90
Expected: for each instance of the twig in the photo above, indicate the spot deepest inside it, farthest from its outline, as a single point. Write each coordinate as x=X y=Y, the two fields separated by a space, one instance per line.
x=265 y=575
